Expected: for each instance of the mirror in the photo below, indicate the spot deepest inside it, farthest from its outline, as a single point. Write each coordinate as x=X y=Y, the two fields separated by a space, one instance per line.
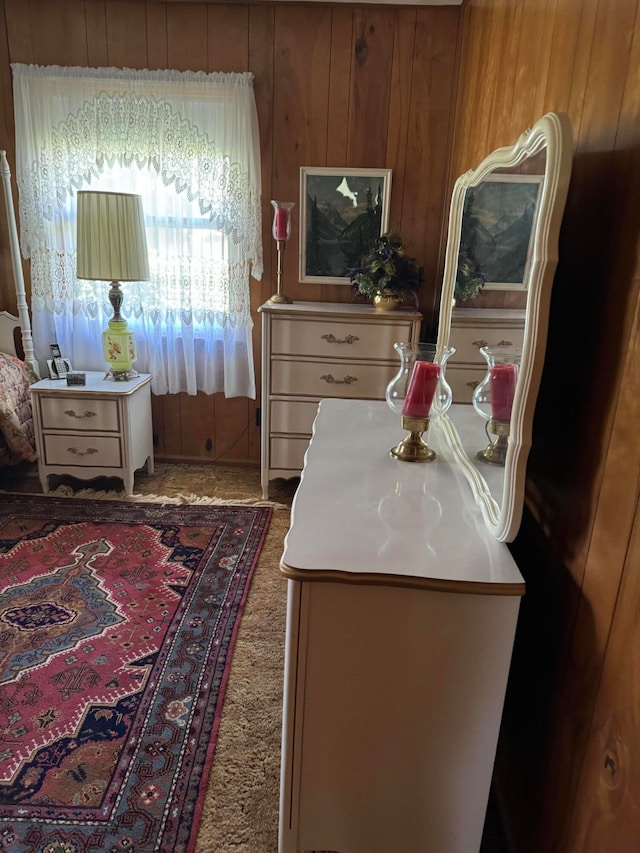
x=504 y=224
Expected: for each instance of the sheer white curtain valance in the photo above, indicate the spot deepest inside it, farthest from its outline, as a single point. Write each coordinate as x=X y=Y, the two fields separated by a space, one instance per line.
x=188 y=142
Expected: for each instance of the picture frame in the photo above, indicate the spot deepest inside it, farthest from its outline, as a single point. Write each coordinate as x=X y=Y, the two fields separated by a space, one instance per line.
x=498 y=222
x=342 y=212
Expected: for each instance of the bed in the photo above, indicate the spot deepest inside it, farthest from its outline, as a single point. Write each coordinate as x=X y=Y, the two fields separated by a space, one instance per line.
x=18 y=366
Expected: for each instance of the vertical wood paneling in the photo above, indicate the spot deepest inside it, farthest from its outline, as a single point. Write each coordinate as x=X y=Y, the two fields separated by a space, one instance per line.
x=559 y=790
x=19 y=30
x=157 y=418
x=157 y=48
x=339 y=86
x=171 y=424
x=302 y=57
x=126 y=34
x=232 y=421
x=187 y=36
x=425 y=199
x=528 y=73
x=228 y=38
x=608 y=814
x=197 y=425
x=59 y=36
x=96 y=22
x=400 y=128
x=370 y=87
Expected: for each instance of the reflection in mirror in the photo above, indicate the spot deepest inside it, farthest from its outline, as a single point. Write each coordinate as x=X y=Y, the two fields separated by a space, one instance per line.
x=500 y=260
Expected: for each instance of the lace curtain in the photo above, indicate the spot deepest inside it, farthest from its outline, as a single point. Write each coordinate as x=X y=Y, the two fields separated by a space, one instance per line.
x=188 y=143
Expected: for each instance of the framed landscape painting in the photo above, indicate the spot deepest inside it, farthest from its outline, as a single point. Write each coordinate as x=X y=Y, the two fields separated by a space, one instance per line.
x=342 y=212
x=497 y=224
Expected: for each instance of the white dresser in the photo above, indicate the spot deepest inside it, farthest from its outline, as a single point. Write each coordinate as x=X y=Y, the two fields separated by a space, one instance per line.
x=314 y=350
x=401 y=618
x=472 y=328
x=102 y=428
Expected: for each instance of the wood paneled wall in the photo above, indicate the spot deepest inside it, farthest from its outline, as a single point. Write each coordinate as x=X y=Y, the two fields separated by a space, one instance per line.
x=569 y=757
x=335 y=85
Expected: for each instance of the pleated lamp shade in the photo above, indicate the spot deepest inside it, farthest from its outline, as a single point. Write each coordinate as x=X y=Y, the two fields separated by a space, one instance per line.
x=112 y=242
x=112 y=246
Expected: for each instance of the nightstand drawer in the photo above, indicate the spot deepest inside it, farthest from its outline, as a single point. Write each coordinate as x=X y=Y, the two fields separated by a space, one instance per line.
x=91 y=451
x=79 y=413
x=330 y=338
x=331 y=379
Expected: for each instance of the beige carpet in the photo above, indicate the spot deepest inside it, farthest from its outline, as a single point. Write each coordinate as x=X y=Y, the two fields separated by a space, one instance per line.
x=241 y=807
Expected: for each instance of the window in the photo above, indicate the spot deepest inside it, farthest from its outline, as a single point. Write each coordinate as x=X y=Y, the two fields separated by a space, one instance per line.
x=188 y=144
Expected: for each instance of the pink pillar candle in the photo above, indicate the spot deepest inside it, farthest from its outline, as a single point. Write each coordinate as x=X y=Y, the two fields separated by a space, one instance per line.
x=502 y=378
x=422 y=386
x=281 y=223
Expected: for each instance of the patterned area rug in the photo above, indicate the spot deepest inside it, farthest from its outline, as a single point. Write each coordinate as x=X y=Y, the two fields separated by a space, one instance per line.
x=117 y=623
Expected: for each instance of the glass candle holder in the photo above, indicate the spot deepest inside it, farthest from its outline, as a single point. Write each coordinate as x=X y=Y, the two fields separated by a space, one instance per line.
x=418 y=391
x=493 y=400
x=281 y=230
x=281 y=226
x=409 y=354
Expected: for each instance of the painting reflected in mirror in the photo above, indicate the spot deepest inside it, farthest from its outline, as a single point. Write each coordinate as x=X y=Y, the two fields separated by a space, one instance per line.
x=500 y=260
x=497 y=225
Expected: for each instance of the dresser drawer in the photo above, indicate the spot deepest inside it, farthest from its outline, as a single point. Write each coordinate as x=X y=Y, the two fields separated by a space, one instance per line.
x=287 y=454
x=79 y=413
x=293 y=416
x=331 y=338
x=90 y=451
x=331 y=379
x=463 y=381
x=468 y=340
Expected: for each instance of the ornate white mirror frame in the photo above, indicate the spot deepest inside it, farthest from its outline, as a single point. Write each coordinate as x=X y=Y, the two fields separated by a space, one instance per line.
x=500 y=491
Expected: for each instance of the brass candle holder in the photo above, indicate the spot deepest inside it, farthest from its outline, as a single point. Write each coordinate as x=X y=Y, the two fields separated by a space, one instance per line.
x=413 y=448
x=279 y=297
x=496 y=452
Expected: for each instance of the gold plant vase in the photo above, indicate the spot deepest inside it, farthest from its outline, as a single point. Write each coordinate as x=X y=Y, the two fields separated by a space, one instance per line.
x=384 y=301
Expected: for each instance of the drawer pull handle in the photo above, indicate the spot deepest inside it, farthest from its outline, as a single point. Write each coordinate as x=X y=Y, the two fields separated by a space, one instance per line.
x=331 y=339
x=331 y=380
x=473 y=384
x=87 y=414
x=483 y=343
x=88 y=452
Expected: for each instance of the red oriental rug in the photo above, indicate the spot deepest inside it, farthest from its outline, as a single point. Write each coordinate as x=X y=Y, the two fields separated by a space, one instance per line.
x=117 y=624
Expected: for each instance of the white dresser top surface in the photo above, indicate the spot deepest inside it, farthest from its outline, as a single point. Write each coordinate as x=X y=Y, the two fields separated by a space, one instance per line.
x=360 y=515
x=339 y=309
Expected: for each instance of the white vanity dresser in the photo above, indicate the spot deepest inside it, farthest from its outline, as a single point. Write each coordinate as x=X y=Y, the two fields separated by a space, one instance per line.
x=402 y=610
x=403 y=596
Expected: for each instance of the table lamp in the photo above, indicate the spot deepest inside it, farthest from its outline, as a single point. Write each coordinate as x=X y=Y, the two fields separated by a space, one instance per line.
x=112 y=246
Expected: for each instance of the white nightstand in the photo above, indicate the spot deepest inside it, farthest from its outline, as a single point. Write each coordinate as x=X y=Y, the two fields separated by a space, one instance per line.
x=102 y=428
